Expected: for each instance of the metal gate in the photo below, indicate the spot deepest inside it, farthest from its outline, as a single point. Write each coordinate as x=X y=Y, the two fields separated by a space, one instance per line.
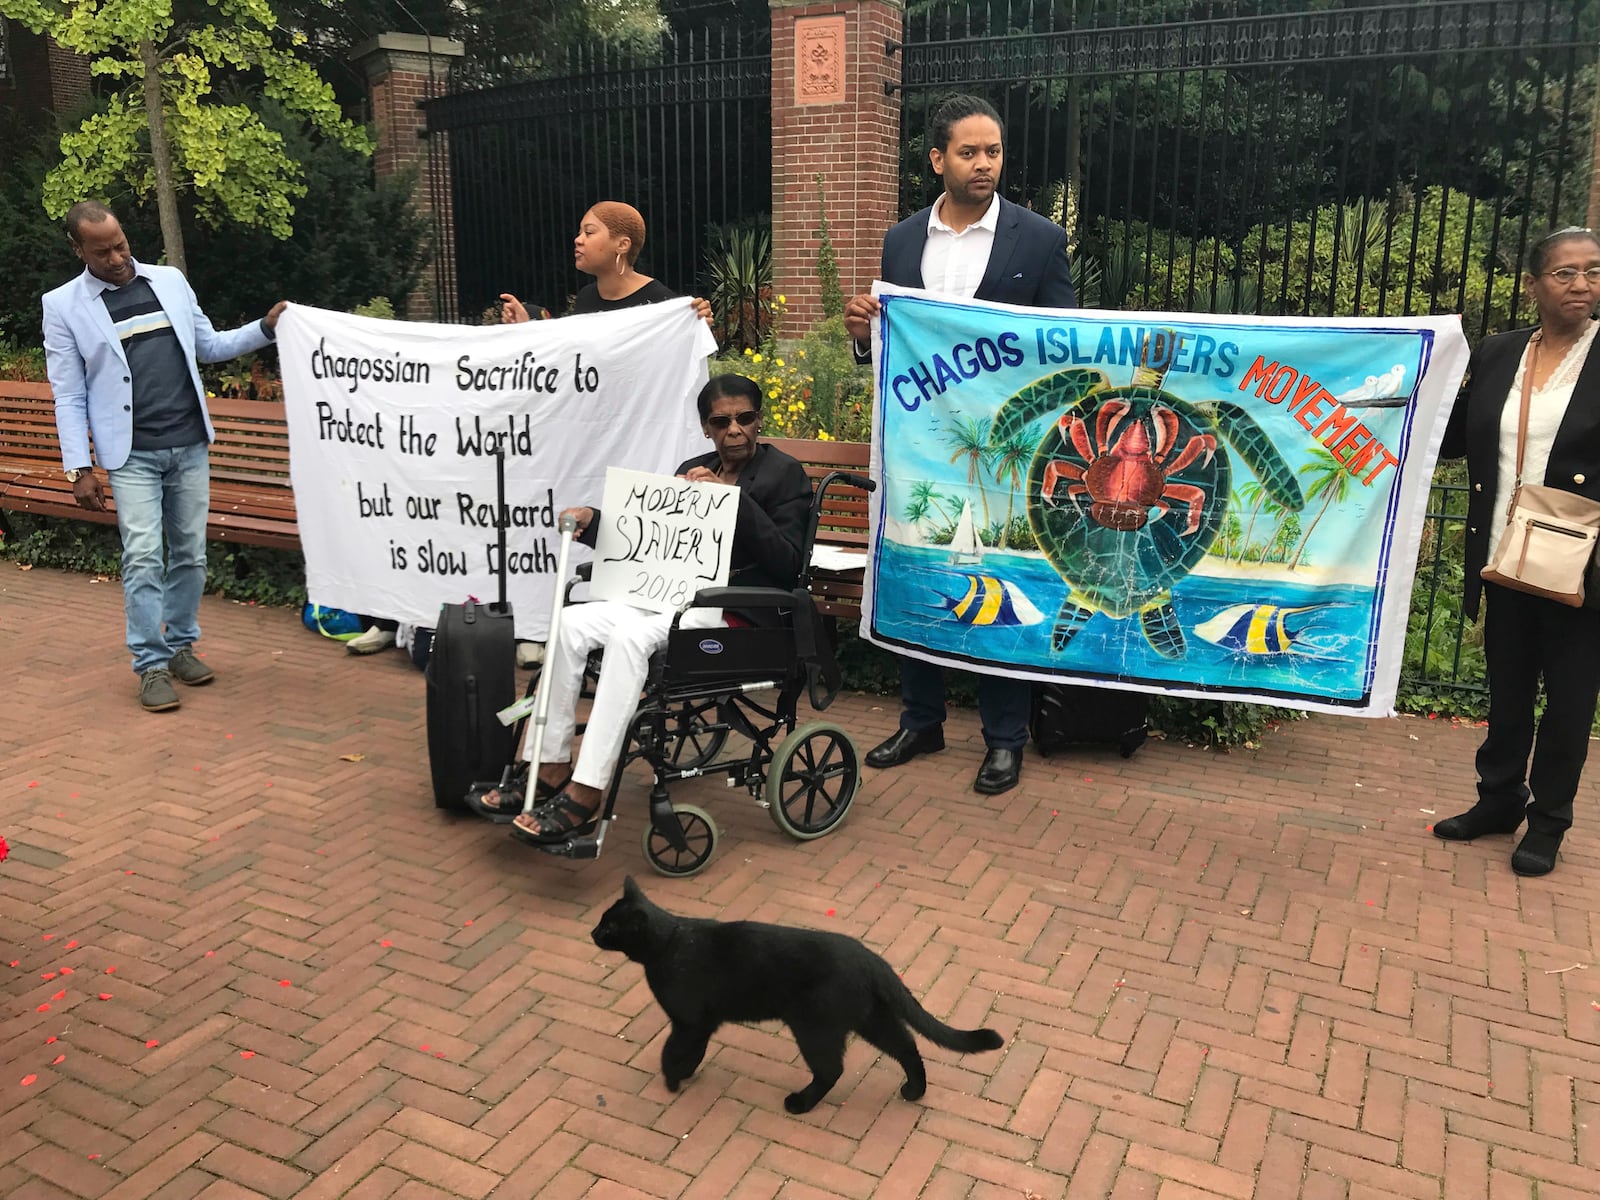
x=685 y=136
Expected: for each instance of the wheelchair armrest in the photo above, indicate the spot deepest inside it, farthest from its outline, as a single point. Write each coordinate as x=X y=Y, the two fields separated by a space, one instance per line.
x=584 y=570
x=743 y=597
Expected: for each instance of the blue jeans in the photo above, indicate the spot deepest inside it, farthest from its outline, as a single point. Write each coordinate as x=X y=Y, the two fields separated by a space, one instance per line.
x=163 y=495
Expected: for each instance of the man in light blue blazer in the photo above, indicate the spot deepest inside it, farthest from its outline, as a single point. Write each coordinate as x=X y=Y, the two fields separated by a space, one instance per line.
x=121 y=344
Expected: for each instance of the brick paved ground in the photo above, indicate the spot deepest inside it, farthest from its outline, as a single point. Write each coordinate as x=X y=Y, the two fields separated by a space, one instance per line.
x=1252 y=975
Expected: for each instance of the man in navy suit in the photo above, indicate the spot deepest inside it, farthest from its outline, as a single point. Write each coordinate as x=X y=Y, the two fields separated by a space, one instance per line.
x=970 y=243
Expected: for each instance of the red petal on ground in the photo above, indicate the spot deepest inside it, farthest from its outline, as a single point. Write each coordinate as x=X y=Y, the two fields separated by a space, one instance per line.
x=438 y=1053
x=72 y=945
x=60 y=1058
x=105 y=995
x=284 y=983
x=28 y=1080
x=48 y=975
x=92 y=1157
x=48 y=936
x=16 y=962
x=50 y=1039
x=385 y=943
x=469 y=922
x=74 y=795
x=247 y=1054
x=152 y=1044
x=209 y=953
x=42 y=1008
x=59 y=996
x=111 y=970
x=33 y=783
x=66 y=970
x=127 y=872
x=830 y=912
x=424 y=1047
x=229 y=736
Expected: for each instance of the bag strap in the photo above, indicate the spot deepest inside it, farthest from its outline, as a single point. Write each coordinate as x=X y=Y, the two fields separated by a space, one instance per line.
x=1528 y=370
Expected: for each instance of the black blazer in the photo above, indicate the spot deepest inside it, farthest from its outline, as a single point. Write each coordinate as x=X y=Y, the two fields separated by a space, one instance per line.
x=1474 y=433
x=1028 y=262
x=770 y=533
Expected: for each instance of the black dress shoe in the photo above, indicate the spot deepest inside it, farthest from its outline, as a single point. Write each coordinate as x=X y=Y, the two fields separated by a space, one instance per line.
x=1000 y=771
x=905 y=744
x=1478 y=821
x=1537 y=854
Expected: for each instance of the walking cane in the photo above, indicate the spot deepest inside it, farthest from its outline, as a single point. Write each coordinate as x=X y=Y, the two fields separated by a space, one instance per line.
x=541 y=701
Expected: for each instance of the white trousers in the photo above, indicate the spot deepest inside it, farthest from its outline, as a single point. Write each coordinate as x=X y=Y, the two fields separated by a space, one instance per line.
x=629 y=636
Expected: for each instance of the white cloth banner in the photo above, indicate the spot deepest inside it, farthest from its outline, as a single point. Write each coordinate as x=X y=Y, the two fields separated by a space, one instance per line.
x=393 y=427
x=661 y=539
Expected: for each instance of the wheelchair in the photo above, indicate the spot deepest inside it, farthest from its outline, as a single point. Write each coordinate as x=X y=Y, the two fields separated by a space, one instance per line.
x=706 y=684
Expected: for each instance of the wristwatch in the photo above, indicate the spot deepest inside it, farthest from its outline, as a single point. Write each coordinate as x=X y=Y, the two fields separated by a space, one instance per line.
x=72 y=475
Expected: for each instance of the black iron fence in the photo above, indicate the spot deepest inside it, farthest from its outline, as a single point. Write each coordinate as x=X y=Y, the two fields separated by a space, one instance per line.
x=684 y=135
x=1279 y=157
x=1275 y=156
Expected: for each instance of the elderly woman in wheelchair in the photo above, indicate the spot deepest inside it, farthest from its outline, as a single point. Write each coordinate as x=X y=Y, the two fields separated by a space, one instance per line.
x=768 y=547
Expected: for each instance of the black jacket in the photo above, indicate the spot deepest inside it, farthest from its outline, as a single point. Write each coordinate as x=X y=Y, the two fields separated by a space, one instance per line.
x=1028 y=262
x=1474 y=433
x=770 y=532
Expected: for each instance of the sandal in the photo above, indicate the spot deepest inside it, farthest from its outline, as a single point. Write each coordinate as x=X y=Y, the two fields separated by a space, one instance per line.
x=559 y=820
x=510 y=798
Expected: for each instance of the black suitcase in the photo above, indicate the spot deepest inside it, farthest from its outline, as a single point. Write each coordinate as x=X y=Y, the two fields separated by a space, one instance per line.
x=471 y=676
x=1072 y=716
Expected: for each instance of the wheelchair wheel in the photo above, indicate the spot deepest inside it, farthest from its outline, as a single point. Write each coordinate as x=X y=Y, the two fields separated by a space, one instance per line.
x=699 y=830
x=692 y=744
x=813 y=779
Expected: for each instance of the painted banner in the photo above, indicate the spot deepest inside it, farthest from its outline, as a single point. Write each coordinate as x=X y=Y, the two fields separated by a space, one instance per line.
x=661 y=539
x=393 y=428
x=1188 y=504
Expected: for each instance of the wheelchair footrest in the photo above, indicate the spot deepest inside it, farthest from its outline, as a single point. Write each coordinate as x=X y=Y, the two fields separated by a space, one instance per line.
x=587 y=846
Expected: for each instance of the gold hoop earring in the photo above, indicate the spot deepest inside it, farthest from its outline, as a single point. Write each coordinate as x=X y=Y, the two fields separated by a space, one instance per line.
x=621 y=270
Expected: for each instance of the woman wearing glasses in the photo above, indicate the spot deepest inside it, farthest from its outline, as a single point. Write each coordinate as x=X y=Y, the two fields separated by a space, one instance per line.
x=1527 y=637
x=610 y=237
x=774 y=504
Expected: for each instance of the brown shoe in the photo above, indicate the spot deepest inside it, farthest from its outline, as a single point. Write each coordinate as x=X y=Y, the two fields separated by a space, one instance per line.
x=186 y=667
x=156 y=692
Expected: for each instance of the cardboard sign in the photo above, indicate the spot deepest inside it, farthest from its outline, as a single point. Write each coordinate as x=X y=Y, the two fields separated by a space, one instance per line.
x=661 y=539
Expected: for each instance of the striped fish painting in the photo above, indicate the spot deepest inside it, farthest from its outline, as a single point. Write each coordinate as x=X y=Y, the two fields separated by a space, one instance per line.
x=1259 y=628
x=990 y=600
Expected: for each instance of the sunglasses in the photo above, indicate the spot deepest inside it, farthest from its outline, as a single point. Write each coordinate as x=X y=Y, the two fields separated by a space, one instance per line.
x=746 y=419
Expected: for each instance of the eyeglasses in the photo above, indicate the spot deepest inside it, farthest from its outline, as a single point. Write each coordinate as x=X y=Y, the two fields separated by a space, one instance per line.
x=1567 y=276
x=746 y=419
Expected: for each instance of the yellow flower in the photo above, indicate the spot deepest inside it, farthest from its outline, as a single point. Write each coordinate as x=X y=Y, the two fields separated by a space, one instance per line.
x=824 y=436
x=801 y=353
x=779 y=362
x=783 y=299
x=748 y=352
x=755 y=357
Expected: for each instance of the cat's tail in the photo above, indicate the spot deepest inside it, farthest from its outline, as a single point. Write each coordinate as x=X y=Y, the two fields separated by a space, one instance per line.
x=967 y=1041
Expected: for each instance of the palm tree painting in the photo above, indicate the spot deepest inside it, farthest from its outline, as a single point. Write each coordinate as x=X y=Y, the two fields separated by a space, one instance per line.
x=923 y=496
x=1330 y=479
x=1010 y=459
x=971 y=442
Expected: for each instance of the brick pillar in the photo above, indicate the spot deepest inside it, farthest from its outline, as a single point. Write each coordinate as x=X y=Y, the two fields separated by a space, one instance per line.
x=831 y=115
x=39 y=75
x=399 y=68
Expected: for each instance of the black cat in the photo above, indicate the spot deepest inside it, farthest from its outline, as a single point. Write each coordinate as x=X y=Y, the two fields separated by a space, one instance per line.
x=821 y=985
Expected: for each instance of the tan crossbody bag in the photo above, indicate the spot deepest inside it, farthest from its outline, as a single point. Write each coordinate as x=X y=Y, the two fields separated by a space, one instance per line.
x=1549 y=538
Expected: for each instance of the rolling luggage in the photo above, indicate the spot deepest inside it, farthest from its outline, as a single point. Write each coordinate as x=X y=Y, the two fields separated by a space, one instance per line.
x=471 y=676
x=1064 y=716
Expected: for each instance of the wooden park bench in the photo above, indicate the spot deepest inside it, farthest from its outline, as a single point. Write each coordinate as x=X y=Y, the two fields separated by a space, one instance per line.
x=251 y=500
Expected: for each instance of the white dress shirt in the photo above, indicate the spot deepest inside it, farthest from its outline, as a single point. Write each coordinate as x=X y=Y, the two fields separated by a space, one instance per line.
x=953 y=261
x=1547 y=406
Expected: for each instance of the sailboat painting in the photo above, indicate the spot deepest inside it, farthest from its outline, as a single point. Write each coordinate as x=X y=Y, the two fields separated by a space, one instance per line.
x=965 y=548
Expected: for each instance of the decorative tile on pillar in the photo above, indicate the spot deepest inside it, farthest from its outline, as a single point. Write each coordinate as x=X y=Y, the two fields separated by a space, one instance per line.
x=819 y=60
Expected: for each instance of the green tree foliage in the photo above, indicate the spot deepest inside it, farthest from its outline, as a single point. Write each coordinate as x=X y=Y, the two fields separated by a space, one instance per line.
x=173 y=123
x=353 y=238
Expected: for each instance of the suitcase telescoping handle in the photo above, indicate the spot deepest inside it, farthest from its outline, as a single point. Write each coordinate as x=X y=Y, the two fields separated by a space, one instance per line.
x=533 y=746
x=503 y=514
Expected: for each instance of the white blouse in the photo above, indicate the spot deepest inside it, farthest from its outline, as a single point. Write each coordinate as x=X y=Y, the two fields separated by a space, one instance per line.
x=1546 y=408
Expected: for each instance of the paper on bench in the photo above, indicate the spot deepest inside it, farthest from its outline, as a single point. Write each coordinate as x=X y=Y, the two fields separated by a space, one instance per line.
x=838 y=558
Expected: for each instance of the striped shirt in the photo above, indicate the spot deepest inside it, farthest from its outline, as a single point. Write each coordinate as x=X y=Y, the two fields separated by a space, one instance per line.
x=166 y=410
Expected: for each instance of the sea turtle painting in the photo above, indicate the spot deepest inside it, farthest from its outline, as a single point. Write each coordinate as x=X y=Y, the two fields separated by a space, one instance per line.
x=1129 y=487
